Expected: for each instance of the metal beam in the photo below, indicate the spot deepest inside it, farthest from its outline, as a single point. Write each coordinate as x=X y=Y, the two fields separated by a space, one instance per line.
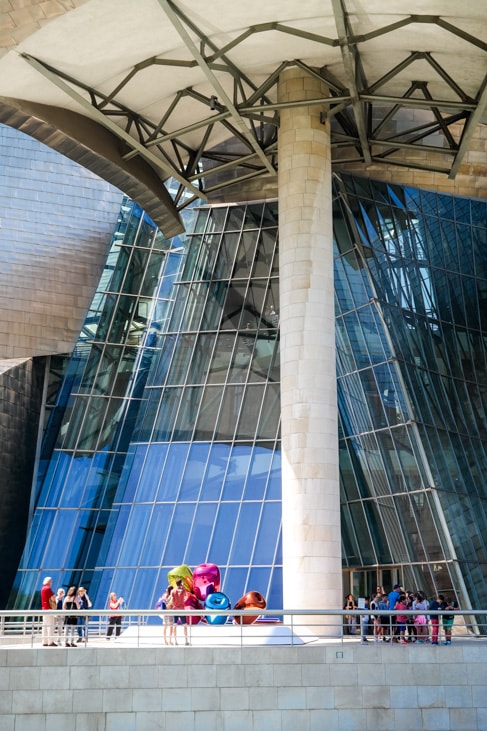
x=221 y=93
x=415 y=102
x=349 y=64
x=103 y=120
x=469 y=129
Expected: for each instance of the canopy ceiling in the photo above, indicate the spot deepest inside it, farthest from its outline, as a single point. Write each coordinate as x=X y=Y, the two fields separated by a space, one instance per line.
x=187 y=89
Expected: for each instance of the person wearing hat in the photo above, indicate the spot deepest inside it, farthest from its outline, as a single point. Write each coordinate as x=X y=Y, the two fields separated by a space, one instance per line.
x=84 y=602
x=48 y=603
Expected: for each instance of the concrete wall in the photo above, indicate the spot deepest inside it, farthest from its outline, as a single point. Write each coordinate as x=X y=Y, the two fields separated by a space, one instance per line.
x=310 y=688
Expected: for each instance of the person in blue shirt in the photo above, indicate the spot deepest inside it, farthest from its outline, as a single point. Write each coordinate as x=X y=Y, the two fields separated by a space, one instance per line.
x=84 y=602
x=393 y=598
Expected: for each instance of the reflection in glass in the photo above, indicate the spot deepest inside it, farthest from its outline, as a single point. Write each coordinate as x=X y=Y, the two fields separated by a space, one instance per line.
x=166 y=427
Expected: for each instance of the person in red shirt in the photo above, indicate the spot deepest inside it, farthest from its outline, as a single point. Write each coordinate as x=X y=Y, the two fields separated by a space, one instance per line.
x=115 y=620
x=48 y=619
x=401 y=619
x=179 y=595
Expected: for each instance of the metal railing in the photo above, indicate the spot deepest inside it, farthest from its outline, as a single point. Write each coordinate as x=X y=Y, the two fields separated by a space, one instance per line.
x=229 y=627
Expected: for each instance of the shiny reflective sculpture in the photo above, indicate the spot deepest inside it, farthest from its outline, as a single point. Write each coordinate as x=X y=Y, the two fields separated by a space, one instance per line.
x=184 y=573
x=203 y=591
x=217 y=600
x=192 y=602
x=206 y=580
x=250 y=600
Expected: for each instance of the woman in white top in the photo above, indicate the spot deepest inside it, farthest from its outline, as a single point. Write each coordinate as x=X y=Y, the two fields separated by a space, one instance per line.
x=59 y=619
x=420 y=603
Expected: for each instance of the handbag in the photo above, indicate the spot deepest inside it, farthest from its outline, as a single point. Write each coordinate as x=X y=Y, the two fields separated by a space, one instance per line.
x=52 y=602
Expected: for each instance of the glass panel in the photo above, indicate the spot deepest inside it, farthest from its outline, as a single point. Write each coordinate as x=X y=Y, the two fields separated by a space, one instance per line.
x=223 y=533
x=150 y=473
x=40 y=531
x=245 y=254
x=256 y=482
x=175 y=552
x=274 y=486
x=156 y=533
x=249 y=414
x=215 y=472
x=200 y=536
x=134 y=535
x=188 y=410
x=173 y=471
x=253 y=215
x=221 y=357
x=195 y=469
x=181 y=360
x=229 y=411
x=264 y=253
x=226 y=257
x=56 y=550
x=270 y=413
x=245 y=532
x=201 y=358
x=238 y=465
x=234 y=303
x=166 y=417
x=267 y=535
x=210 y=406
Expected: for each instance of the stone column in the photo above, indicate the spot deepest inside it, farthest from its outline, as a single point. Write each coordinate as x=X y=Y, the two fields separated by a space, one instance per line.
x=310 y=490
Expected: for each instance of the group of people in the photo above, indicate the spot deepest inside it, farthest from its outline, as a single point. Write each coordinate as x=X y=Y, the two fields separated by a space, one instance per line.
x=173 y=598
x=59 y=629
x=401 y=627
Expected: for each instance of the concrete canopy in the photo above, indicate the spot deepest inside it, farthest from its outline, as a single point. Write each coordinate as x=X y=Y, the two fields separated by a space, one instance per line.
x=187 y=90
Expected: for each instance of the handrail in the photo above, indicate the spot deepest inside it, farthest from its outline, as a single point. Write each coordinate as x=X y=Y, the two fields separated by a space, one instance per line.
x=240 y=612
x=323 y=622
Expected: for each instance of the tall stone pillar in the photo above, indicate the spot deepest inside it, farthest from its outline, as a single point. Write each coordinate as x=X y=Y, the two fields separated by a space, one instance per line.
x=310 y=490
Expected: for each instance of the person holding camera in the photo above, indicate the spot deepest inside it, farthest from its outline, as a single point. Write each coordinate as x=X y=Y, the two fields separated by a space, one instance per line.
x=447 y=619
x=115 y=620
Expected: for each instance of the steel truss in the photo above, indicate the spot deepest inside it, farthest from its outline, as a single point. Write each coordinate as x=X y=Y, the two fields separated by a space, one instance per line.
x=250 y=114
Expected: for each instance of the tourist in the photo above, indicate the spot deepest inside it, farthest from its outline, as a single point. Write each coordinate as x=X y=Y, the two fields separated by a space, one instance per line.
x=115 y=620
x=48 y=603
x=350 y=605
x=374 y=606
x=59 y=619
x=165 y=602
x=364 y=621
x=84 y=602
x=178 y=602
x=70 y=604
x=401 y=619
x=420 y=603
x=447 y=619
x=435 y=606
x=393 y=598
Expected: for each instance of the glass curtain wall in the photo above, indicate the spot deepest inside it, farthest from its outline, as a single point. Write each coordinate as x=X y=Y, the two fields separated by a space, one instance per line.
x=163 y=448
x=410 y=284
